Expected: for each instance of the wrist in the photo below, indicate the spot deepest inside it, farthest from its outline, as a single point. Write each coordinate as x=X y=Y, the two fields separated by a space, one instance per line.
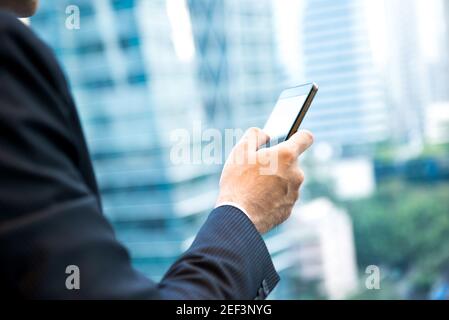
x=233 y=204
x=228 y=202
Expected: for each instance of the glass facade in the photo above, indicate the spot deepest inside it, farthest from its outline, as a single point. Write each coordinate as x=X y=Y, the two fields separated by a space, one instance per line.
x=350 y=108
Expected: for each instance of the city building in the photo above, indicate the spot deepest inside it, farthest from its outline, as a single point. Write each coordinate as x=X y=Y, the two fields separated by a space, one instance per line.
x=415 y=66
x=379 y=64
x=323 y=251
x=238 y=64
x=350 y=108
x=446 y=32
x=405 y=73
x=353 y=178
x=437 y=123
x=445 y=50
x=434 y=40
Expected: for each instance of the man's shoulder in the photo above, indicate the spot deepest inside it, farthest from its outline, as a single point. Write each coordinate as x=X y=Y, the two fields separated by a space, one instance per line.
x=23 y=53
x=10 y=23
x=17 y=40
x=14 y=34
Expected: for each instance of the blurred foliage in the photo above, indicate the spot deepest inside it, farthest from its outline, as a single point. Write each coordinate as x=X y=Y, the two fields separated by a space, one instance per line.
x=386 y=151
x=404 y=227
x=390 y=152
x=436 y=150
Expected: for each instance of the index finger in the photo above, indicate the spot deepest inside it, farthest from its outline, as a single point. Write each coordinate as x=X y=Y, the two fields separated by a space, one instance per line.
x=253 y=139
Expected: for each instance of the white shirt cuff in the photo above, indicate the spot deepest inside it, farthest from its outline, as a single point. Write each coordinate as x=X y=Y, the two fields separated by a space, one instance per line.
x=232 y=204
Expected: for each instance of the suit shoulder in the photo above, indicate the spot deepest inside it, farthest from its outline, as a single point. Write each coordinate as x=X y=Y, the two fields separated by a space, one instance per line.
x=25 y=56
x=15 y=35
x=9 y=24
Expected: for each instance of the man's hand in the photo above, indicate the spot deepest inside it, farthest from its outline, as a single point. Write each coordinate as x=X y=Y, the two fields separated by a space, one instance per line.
x=264 y=182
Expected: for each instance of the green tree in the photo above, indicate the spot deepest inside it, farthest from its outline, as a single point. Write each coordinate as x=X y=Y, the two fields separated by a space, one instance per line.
x=405 y=227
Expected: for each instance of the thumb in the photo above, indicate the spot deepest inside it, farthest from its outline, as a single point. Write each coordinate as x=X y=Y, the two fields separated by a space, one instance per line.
x=299 y=142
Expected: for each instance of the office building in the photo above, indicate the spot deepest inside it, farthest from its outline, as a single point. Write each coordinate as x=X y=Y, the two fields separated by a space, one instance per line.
x=437 y=123
x=446 y=46
x=350 y=108
x=405 y=73
x=415 y=72
x=238 y=66
x=325 y=254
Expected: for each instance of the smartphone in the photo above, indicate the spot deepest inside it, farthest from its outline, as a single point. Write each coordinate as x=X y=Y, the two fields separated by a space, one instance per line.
x=289 y=112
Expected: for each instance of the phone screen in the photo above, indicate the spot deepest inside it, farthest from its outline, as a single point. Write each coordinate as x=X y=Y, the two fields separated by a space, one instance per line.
x=283 y=117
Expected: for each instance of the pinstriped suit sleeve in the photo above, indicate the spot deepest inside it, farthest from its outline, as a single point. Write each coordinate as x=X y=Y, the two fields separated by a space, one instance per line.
x=227 y=260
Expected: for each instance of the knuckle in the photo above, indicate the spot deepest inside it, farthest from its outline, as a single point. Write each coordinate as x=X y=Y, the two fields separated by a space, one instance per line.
x=254 y=130
x=301 y=175
x=298 y=177
x=295 y=195
x=287 y=155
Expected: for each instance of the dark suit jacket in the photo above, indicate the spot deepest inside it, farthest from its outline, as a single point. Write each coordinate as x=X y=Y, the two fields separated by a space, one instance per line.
x=50 y=210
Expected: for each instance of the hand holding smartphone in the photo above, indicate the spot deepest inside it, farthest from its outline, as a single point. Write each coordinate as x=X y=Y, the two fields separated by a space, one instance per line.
x=289 y=112
x=262 y=181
